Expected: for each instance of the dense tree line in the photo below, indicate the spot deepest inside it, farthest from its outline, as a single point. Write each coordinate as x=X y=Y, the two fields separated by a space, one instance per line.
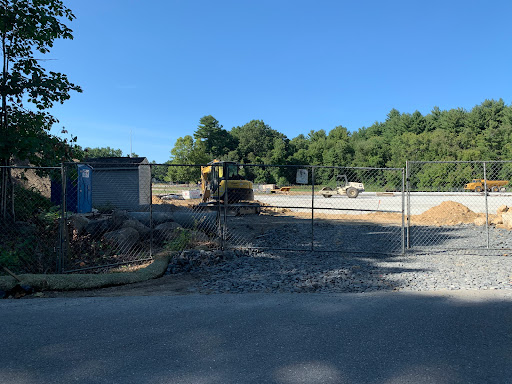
x=483 y=133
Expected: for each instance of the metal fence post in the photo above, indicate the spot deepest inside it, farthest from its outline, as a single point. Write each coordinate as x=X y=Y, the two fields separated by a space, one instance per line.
x=62 y=224
x=150 y=212
x=219 y=210
x=486 y=206
x=225 y=173
x=408 y=188
x=312 y=209
x=403 y=211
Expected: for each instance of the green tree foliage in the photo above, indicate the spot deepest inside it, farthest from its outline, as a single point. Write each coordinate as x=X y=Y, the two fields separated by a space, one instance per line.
x=159 y=172
x=188 y=152
x=483 y=133
x=217 y=141
x=28 y=29
x=255 y=141
x=103 y=152
x=258 y=143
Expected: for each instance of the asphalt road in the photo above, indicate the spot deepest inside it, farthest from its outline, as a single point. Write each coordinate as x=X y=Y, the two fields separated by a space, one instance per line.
x=304 y=338
x=419 y=201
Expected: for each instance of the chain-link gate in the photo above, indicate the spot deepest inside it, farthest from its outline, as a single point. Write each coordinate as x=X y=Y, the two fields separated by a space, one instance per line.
x=372 y=222
x=458 y=205
x=315 y=208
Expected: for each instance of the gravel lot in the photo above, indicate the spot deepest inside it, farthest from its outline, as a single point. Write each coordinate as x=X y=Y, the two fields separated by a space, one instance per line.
x=420 y=201
x=281 y=271
x=329 y=273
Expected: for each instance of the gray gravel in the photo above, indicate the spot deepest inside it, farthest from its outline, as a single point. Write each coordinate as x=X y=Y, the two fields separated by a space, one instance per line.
x=295 y=272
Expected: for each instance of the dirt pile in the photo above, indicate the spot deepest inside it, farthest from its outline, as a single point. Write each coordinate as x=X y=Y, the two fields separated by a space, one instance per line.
x=444 y=214
x=175 y=203
x=156 y=200
x=447 y=213
x=28 y=179
x=267 y=209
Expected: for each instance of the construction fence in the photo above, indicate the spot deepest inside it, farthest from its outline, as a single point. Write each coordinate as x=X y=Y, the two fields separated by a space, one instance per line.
x=92 y=216
x=457 y=205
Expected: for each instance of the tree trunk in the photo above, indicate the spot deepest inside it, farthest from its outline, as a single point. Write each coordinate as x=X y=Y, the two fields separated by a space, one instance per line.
x=6 y=193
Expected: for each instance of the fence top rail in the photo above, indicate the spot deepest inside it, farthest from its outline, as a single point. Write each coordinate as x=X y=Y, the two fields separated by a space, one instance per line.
x=316 y=166
x=120 y=168
x=244 y=165
x=361 y=168
x=132 y=166
x=458 y=162
x=26 y=167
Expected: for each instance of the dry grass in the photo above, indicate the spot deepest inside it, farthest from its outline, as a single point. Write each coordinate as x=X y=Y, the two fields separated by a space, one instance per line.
x=129 y=267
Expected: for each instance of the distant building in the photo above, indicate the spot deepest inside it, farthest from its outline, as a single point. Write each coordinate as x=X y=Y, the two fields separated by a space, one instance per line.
x=120 y=182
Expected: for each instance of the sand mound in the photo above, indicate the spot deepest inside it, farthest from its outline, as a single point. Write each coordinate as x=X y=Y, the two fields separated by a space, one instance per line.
x=447 y=213
x=267 y=209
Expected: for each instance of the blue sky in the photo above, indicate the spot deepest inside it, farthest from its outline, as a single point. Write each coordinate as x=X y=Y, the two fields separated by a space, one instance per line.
x=155 y=67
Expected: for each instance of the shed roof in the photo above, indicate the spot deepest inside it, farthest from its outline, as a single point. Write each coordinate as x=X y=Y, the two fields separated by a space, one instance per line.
x=115 y=162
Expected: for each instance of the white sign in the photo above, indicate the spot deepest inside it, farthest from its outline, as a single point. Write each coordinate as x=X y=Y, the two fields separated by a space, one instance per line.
x=302 y=176
x=85 y=173
x=192 y=194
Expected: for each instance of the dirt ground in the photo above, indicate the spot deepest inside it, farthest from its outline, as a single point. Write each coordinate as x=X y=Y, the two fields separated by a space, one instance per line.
x=167 y=285
x=446 y=213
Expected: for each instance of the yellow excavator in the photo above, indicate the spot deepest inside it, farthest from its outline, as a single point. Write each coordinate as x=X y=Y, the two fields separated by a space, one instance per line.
x=221 y=182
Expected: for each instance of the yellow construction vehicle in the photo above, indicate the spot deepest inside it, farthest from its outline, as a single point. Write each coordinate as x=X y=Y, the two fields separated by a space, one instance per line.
x=221 y=182
x=478 y=185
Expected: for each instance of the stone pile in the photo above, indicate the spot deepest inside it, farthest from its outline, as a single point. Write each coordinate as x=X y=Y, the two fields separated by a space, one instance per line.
x=125 y=230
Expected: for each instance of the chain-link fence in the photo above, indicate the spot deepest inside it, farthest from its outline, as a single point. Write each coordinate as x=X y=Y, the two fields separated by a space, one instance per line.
x=83 y=216
x=458 y=205
x=104 y=200
x=124 y=215
x=318 y=208
x=366 y=214
x=30 y=222
x=86 y=216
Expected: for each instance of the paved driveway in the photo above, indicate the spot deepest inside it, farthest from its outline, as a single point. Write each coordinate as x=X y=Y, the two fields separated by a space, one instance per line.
x=256 y=338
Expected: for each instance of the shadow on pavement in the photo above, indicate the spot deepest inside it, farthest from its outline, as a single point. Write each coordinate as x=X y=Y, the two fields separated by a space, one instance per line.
x=349 y=338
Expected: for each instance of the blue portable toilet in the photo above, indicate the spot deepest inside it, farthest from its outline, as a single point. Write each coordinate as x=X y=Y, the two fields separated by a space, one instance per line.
x=78 y=192
x=84 y=203
x=71 y=194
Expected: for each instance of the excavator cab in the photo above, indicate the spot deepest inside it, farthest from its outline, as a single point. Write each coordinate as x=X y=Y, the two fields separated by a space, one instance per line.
x=221 y=178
